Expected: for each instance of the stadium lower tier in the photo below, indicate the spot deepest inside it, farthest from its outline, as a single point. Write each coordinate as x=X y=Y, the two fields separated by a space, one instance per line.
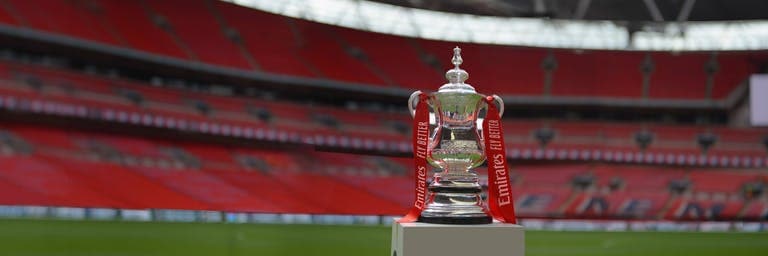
x=56 y=167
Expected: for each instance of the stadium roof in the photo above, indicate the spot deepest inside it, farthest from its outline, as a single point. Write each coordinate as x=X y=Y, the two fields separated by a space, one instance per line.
x=659 y=34
x=626 y=10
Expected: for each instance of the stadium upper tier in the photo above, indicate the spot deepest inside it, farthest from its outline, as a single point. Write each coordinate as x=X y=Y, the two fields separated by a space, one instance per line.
x=35 y=89
x=228 y=35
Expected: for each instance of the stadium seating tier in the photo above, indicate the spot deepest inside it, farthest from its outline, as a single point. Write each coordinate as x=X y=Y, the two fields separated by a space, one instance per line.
x=242 y=38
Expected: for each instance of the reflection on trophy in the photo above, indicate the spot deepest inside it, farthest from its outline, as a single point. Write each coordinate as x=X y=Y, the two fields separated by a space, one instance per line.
x=456 y=146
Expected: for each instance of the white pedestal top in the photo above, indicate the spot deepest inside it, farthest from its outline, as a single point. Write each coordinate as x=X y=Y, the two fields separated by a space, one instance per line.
x=424 y=239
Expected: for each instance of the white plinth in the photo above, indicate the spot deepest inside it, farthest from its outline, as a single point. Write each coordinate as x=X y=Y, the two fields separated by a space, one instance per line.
x=423 y=239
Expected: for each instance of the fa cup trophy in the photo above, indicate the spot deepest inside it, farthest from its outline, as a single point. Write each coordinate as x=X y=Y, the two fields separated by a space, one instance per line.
x=457 y=129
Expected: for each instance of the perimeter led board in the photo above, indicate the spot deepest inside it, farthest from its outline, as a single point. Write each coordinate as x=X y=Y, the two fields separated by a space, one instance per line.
x=758 y=100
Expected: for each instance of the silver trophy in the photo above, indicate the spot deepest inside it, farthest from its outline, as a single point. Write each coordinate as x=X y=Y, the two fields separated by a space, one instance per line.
x=456 y=147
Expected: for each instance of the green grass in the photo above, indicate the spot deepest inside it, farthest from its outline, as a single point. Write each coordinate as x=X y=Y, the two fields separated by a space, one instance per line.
x=645 y=243
x=49 y=237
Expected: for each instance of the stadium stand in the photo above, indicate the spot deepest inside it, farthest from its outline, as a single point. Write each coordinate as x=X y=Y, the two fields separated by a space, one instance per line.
x=201 y=31
x=140 y=175
x=572 y=140
x=136 y=28
x=69 y=19
x=599 y=171
x=275 y=56
x=240 y=38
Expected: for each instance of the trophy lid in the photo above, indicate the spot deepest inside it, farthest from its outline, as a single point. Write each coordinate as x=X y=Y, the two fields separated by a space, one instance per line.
x=456 y=76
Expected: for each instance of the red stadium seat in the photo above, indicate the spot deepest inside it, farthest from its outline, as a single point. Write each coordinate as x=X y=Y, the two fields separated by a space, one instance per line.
x=210 y=190
x=133 y=23
x=678 y=77
x=262 y=185
x=605 y=74
x=69 y=18
x=338 y=197
x=195 y=25
x=329 y=57
x=266 y=36
x=127 y=186
x=407 y=69
x=57 y=187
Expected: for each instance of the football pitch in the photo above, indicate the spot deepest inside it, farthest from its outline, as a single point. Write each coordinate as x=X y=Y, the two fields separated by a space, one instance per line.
x=51 y=237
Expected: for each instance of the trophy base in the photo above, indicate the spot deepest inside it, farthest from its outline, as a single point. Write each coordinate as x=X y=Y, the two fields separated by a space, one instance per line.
x=457 y=220
x=455 y=198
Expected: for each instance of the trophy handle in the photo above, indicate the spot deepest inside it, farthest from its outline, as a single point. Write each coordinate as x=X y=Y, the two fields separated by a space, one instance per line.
x=500 y=105
x=412 y=101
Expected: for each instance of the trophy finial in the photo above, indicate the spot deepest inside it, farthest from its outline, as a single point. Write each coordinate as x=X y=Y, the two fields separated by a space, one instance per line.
x=457 y=57
x=456 y=75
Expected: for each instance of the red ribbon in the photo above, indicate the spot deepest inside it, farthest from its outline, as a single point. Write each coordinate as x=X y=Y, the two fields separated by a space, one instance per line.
x=500 y=201
x=420 y=144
